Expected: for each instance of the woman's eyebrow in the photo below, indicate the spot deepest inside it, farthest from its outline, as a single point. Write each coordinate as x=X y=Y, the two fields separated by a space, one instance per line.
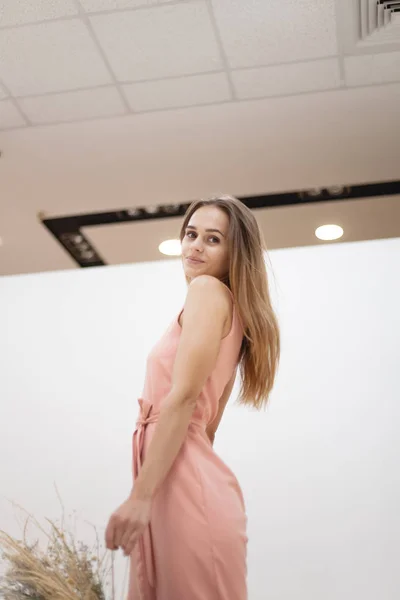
x=217 y=230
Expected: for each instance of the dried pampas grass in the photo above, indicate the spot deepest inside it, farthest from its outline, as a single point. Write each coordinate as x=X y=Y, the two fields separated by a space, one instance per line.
x=66 y=569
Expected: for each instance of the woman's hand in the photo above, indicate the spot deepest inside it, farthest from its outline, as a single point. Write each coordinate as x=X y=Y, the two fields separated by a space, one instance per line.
x=127 y=524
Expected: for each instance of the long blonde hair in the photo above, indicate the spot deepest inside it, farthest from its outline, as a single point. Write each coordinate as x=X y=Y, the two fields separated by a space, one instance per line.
x=248 y=281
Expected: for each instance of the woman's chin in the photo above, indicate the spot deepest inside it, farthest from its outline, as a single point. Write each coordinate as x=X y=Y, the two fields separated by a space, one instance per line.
x=193 y=271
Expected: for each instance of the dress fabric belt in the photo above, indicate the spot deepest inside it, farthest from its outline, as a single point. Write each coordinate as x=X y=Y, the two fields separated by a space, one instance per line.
x=145 y=567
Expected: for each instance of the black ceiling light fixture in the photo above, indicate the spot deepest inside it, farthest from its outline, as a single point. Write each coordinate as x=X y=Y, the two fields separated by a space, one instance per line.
x=68 y=230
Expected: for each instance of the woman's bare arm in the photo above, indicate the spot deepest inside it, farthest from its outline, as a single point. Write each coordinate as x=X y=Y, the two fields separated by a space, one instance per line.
x=206 y=311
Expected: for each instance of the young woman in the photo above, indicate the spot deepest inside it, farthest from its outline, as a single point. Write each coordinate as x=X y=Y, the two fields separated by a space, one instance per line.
x=184 y=523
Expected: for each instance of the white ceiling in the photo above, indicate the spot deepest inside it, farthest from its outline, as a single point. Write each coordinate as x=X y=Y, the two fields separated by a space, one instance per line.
x=114 y=103
x=66 y=60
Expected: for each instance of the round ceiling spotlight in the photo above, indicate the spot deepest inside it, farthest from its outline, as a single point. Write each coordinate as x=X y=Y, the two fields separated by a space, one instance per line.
x=336 y=190
x=329 y=232
x=314 y=192
x=170 y=248
x=151 y=210
x=133 y=212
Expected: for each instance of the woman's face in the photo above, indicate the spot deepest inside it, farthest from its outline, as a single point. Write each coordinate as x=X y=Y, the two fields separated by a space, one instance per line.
x=205 y=243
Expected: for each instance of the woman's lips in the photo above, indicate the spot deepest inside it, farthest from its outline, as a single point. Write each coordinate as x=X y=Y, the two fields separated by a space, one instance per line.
x=194 y=261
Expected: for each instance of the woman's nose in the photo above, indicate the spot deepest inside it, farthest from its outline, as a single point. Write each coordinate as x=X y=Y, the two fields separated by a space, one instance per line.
x=198 y=244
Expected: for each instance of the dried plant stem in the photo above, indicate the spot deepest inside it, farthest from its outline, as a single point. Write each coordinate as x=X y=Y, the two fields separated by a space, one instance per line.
x=66 y=570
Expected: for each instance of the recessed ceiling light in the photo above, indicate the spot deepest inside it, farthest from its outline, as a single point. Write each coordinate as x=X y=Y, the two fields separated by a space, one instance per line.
x=329 y=232
x=170 y=247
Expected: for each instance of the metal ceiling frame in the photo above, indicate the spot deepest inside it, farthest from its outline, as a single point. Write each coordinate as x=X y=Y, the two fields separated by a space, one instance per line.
x=68 y=230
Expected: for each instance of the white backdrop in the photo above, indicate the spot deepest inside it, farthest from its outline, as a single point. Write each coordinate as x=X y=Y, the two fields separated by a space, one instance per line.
x=319 y=469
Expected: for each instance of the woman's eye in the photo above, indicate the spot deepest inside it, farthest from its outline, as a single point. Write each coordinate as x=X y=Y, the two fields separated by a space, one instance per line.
x=191 y=235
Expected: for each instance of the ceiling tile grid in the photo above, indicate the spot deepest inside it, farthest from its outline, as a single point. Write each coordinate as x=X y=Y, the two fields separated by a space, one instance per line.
x=91 y=6
x=65 y=60
x=3 y=93
x=161 y=42
x=289 y=79
x=9 y=115
x=178 y=93
x=18 y=12
x=368 y=69
x=260 y=32
x=50 y=57
x=73 y=106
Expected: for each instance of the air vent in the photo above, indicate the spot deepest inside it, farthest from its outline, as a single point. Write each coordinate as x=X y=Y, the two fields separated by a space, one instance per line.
x=379 y=22
x=368 y=26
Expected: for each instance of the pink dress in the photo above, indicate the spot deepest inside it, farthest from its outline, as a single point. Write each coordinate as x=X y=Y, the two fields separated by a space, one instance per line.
x=196 y=544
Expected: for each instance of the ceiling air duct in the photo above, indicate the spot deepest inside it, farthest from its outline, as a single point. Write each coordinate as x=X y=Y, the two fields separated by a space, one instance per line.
x=379 y=21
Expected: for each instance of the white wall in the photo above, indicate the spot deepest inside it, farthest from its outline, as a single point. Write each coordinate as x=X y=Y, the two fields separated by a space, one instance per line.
x=319 y=468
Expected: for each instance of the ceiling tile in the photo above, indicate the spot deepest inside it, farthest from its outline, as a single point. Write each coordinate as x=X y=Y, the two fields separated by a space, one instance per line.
x=99 y=5
x=372 y=68
x=17 y=12
x=159 y=42
x=9 y=116
x=50 y=57
x=260 y=32
x=185 y=91
x=287 y=79
x=71 y=106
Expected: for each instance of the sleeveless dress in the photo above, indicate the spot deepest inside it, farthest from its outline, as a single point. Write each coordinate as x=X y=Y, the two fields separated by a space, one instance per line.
x=195 y=546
